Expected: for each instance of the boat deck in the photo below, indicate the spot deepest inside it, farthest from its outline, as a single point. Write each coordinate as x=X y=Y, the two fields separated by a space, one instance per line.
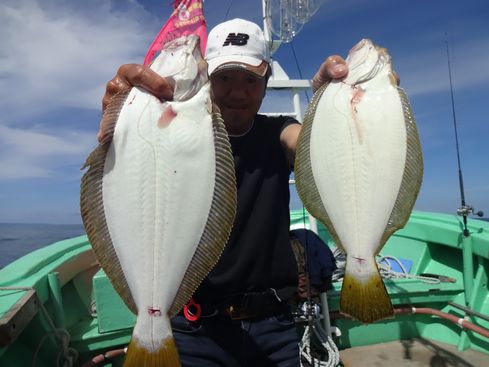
x=412 y=353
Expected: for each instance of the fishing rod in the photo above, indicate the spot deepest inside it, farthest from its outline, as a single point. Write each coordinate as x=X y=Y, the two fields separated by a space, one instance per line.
x=464 y=210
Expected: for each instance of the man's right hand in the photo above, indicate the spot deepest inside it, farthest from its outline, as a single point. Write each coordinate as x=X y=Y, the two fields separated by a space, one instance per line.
x=134 y=75
x=334 y=67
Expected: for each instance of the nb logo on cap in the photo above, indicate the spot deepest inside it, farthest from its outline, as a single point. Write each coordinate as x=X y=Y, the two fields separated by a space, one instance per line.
x=236 y=39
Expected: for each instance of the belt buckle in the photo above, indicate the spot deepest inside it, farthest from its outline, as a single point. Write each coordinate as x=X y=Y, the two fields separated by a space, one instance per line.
x=234 y=313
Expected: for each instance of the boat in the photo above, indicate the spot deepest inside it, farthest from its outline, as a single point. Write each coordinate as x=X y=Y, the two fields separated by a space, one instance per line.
x=58 y=308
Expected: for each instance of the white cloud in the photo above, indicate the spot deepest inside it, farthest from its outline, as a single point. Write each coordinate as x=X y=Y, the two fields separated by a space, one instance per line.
x=426 y=71
x=28 y=153
x=55 y=54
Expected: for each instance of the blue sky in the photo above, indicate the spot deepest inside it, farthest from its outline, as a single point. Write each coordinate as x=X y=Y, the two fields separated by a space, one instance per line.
x=57 y=55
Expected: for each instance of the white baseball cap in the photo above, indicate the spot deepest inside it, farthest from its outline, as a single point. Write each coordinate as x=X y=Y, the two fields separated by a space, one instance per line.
x=237 y=43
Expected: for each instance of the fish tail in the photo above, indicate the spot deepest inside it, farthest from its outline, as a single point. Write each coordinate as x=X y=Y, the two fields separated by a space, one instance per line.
x=365 y=298
x=140 y=356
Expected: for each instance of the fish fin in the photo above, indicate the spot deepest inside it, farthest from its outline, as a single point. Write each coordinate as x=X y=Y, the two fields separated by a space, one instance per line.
x=107 y=124
x=92 y=210
x=367 y=299
x=220 y=219
x=412 y=176
x=305 y=183
x=111 y=114
x=139 y=356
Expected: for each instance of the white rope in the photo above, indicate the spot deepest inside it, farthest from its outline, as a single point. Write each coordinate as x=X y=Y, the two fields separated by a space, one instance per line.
x=385 y=268
x=326 y=342
x=66 y=356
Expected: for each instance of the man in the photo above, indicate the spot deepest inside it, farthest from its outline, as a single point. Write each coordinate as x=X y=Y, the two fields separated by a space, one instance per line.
x=245 y=319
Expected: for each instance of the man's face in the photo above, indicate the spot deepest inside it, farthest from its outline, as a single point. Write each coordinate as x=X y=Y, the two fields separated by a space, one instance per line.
x=239 y=95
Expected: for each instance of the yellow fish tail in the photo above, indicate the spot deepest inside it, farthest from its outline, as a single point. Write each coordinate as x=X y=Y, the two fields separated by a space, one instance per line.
x=365 y=299
x=139 y=356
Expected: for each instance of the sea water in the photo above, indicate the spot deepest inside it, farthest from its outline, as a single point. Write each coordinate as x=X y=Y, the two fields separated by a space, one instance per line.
x=18 y=239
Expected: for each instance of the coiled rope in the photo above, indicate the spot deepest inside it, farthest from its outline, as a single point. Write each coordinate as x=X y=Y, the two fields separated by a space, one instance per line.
x=326 y=343
x=67 y=356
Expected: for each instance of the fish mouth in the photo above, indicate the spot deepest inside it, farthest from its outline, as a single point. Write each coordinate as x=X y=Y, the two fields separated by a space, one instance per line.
x=193 y=74
x=359 y=45
x=369 y=57
x=378 y=66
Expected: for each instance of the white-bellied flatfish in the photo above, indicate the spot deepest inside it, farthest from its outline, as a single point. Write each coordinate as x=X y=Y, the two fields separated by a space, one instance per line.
x=359 y=169
x=159 y=198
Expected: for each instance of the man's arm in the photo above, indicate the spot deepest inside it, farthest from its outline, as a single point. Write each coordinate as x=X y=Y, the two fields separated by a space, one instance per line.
x=288 y=138
x=334 y=67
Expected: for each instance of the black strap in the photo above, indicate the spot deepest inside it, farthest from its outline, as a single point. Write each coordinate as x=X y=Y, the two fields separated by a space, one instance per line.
x=249 y=305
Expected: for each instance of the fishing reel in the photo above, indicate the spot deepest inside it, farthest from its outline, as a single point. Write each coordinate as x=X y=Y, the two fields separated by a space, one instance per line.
x=466 y=210
x=305 y=310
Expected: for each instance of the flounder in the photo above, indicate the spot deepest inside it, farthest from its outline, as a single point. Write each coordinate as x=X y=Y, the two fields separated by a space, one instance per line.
x=159 y=198
x=359 y=169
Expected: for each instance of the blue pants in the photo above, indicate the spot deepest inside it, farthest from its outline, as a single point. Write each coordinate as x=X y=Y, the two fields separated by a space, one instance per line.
x=216 y=340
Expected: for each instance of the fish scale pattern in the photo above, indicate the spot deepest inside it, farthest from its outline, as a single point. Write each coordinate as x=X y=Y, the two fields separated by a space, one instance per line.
x=91 y=204
x=219 y=222
x=305 y=183
x=412 y=177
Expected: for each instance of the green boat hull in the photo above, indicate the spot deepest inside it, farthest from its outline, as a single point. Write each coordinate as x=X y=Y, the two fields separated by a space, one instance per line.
x=56 y=303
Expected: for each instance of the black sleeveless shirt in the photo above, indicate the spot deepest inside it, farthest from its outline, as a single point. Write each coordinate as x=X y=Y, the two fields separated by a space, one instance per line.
x=258 y=255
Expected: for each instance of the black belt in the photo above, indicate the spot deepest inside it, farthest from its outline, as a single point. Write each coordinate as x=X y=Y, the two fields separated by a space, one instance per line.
x=253 y=305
